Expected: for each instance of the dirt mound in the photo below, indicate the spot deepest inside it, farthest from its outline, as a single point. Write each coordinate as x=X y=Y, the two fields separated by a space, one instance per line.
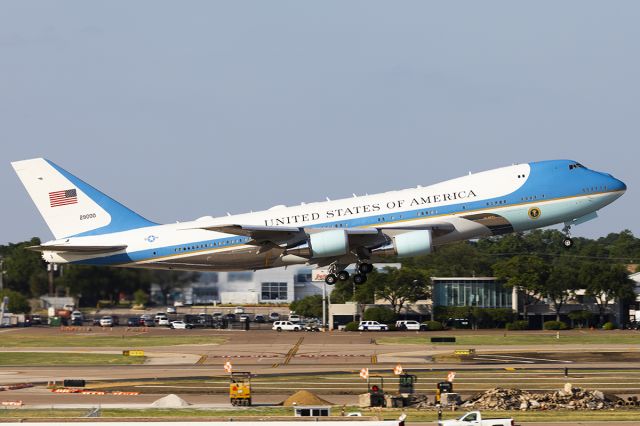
x=304 y=397
x=170 y=401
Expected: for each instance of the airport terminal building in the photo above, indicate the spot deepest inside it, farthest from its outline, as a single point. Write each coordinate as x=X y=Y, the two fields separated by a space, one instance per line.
x=276 y=285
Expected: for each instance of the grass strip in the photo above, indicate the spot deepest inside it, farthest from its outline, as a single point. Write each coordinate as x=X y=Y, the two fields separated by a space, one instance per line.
x=413 y=415
x=98 y=340
x=66 y=358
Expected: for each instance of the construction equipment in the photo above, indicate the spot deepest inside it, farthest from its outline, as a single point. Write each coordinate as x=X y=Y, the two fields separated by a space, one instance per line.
x=442 y=388
x=240 y=388
x=376 y=392
x=406 y=382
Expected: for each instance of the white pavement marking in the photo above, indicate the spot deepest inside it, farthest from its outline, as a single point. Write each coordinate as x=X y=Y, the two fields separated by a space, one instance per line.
x=524 y=357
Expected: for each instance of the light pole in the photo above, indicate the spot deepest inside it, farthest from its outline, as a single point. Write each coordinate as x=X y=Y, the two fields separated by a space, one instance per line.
x=324 y=306
x=1 y=273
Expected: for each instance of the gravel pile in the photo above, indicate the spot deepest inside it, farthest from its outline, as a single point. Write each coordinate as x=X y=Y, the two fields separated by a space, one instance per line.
x=516 y=399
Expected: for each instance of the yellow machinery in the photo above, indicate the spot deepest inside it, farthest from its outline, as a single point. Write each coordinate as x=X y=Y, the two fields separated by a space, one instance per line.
x=240 y=388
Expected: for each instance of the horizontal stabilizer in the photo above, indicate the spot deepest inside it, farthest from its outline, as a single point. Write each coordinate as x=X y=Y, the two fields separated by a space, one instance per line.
x=78 y=249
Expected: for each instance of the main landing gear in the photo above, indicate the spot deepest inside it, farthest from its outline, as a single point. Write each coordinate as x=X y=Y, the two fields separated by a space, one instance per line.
x=567 y=242
x=362 y=269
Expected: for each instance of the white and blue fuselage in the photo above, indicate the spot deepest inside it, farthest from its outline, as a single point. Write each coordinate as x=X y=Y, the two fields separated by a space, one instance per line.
x=93 y=229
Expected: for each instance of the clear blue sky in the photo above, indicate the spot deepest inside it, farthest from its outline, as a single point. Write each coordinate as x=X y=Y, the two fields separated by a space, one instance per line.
x=183 y=109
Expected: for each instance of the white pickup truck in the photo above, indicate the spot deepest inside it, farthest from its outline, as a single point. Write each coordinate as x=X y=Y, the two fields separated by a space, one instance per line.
x=474 y=418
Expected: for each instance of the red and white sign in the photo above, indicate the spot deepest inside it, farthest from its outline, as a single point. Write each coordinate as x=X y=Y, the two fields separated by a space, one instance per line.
x=397 y=370
x=228 y=367
x=364 y=373
x=451 y=376
x=318 y=275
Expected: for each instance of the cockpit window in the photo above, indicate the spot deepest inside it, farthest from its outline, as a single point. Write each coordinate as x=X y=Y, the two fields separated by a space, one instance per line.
x=576 y=166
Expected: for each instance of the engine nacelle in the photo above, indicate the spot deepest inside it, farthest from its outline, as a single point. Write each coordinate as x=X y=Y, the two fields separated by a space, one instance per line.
x=329 y=243
x=414 y=243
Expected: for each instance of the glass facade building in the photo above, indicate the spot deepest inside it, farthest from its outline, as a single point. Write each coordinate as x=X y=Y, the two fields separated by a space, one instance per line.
x=478 y=292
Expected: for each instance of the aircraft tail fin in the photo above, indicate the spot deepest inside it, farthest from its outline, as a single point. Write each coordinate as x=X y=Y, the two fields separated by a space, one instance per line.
x=71 y=207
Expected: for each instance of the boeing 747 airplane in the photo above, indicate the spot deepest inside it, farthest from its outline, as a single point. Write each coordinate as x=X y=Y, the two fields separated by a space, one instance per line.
x=91 y=228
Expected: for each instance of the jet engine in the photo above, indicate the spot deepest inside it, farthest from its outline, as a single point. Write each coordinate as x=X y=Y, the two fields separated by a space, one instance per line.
x=329 y=243
x=408 y=244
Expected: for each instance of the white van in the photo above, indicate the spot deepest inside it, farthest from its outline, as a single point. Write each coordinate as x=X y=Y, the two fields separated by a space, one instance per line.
x=295 y=318
x=408 y=325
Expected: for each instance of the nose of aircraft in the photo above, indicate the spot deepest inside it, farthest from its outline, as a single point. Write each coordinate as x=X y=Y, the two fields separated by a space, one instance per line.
x=616 y=184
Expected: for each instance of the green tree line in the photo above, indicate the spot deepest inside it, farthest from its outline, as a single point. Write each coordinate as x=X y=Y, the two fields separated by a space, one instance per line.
x=535 y=262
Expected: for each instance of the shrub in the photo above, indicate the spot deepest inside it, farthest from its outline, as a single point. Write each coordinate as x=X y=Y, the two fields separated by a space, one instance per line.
x=18 y=303
x=351 y=326
x=518 y=325
x=608 y=326
x=582 y=318
x=141 y=297
x=555 y=325
x=432 y=325
x=380 y=314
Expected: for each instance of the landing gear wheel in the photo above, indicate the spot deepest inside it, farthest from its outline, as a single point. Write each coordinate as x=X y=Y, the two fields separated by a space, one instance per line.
x=331 y=279
x=359 y=278
x=343 y=275
x=365 y=268
x=567 y=242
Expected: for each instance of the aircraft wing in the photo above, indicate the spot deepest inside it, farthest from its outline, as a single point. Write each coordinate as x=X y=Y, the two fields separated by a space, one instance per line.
x=284 y=235
x=291 y=236
x=78 y=249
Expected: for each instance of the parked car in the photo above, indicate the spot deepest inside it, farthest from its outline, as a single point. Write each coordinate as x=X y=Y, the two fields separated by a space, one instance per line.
x=178 y=303
x=163 y=322
x=172 y=310
x=408 y=325
x=133 y=322
x=180 y=325
x=205 y=320
x=372 y=326
x=274 y=316
x=458 y=323
x=36 y=319
x=238 y=310
x=245 y=318
x=77 y=315
x=260 y=319
x=295 y=318
x=230 y=317
x=312 y=326
x=160 y=315
x=106 y=321
x=217 y=315
x=286 y=326
x=147 y=320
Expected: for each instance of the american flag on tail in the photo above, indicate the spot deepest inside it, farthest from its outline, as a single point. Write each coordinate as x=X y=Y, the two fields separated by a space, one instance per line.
x=63 y=198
